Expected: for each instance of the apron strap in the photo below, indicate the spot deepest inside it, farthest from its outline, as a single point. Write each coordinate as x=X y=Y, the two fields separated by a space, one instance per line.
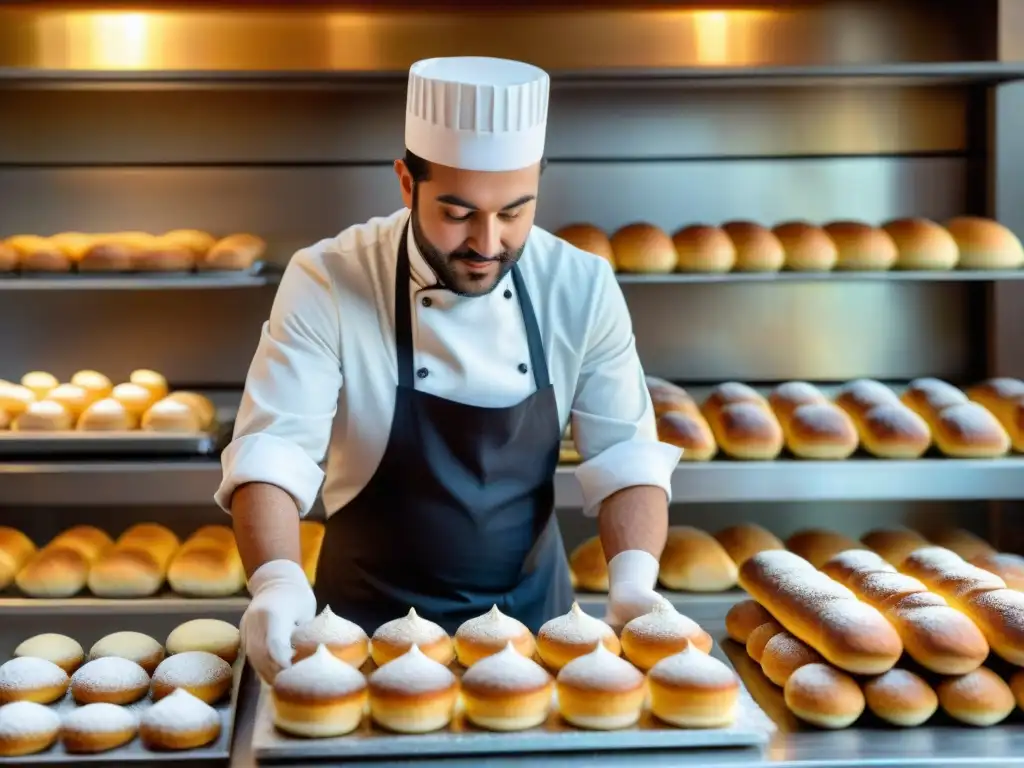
x=537 y=360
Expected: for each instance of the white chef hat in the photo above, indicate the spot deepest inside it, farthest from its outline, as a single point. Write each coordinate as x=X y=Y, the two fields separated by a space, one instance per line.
x=477 y=113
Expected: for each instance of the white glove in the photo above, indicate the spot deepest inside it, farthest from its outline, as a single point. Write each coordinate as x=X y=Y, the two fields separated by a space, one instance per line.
x=281 y=600
x=631 y=578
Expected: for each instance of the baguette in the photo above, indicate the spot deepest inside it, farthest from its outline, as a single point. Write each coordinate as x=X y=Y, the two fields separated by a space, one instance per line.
x=1008 y=567
x=846 y=564
x=822 y=612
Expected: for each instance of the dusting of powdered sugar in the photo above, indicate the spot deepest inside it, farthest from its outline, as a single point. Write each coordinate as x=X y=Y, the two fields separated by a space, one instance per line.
x=21 y=719
x=853 y=562
x=900 y=685
x=109 y=674
x=825 y=420
x=329 y=629
x=576 y=628
x=180 y=711
x=664 y=623
x=1008 y=604
x=494 y=628
x=736 y=392
x=28 y=673
x=601 y=670
x=320 y=676
x=1005 y=388
x=931 y=559
x=896 y=420
x=772 y=561
x=797 y=392
x=818 y=680
x=100 y=718
x=883 y=586
x=409 y=630
x=191 y=669
x=751 y=419
x=790 y=648
x=982 y=686
x=507 y=670
x=692 y=667
x=865 y=393
x=970 y=420
x=412 y=673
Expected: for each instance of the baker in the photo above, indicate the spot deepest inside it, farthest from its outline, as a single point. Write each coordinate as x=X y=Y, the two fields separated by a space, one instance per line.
x=433 y=358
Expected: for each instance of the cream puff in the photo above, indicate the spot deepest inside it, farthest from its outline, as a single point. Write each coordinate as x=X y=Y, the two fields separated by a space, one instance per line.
x=571 y=635
x=179 y=721
x=27 y=728
x=205 y=676
x=694 y=690
x=489 y=634
x=396 y=637
x=663 y=632
x=98 y=728
x=30 y=679
x=319 y=697
x=341 y=637
x=111 y=680
x=506 y=691
x=600 y=691
x=413 y=694
x=61 y=650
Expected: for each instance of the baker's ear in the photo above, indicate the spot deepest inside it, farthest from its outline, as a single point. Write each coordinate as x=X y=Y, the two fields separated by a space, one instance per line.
x=405 y=182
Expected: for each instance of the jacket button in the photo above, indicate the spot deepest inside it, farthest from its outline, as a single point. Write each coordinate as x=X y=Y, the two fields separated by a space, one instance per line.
x=523 y=368
x=423 y=373
x=507 y=294
x=427 y=301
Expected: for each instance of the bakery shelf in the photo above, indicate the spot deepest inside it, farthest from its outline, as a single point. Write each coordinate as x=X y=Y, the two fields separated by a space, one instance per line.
x=142 y=282
x=893 y=276
x=163 y=604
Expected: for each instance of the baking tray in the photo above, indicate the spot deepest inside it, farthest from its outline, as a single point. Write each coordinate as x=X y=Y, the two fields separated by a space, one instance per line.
x=753 y=728
x=87 y=632
x=130 y=443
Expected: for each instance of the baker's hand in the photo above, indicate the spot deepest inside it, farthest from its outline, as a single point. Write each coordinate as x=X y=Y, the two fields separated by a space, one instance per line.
x=631 y=578
x=281 y=600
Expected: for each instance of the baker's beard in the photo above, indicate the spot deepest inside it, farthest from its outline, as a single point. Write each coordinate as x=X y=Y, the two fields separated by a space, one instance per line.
x=443 y=263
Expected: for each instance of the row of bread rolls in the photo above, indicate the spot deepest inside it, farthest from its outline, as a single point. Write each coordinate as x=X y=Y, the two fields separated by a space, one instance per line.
x=183 y=677
x=180 y=250
x=138 y=564
x=965 y=242
x=510 y=675
x=821 y=694
x=91 y=402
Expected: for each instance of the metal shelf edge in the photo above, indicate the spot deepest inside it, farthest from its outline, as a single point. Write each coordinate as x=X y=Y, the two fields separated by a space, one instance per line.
x=154 y=605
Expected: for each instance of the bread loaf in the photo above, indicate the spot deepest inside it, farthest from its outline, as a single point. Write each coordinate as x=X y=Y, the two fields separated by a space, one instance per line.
x=894 y=544
x=893 y=431
x=758 y=249
x=783 y=655
x=689 y=431
x=202 y=406
x=137 y=564
x=901 y=698
x=234 y=252
x=922 y=244
x=746 y=540
x=980 y=698
x=1008 y=567
x=818 y=546
x=588 y=238
x=206 y=570
x=89 y=540
x=731 y=393
x=786 y=398
x=860 y=396
x=746 y=431
x=964 y=543
x=845 y=565
x=860 y=246
x=15 y=550
x=666 y=397
x=821 y=431
x=929 y=397
x=161 y=254
x=588 y=564
x=985 y=244
x=311 y=537
x=694 y=561
x=968 y=431
x=701 y=248
x=824 y=696
x=109 y=254
x=807 y=247
x=821 y=612
x=1002 y=397
x=195 y=240
x=54 y=572
x=39 y=254
x=743 y=618
x=759 y=638
x=643 y=247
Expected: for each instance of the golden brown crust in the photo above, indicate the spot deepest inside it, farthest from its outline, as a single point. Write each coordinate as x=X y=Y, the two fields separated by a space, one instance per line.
x=985 y=244
x=922 y=244
x=746 y=540
x=703 y=248
x=894 y=544
x=235 y=252
x=979 y=698
x=893 y=431
x=758 y=249
x=55 y=571
x=821 y=431
x=808 y=248
x=689 y=431
x=643 y=247
x=818 y=546
x=588 y=564
x=588 y=238
x=901 y=698
x=694 y=561
x=759 y=637
x=824 y=696
x=861 y=247
x=743 y=618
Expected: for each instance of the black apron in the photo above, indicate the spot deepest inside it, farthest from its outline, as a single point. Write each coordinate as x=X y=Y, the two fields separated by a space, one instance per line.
x=459 y=515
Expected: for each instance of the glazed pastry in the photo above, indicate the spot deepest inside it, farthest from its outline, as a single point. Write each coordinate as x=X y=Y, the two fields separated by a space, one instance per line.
x=507 y=691
x=111 y=679
x=340 y=636
x=31 y=679
x=211 y=635
x=413 y=693
x=600 y=691
x=574 y=634
x=61 y=650
x=396 y=637
x=319 y=696
x=133 y=646
x=179 y=721
x=205 y=676
x=488 y=634
x=98 y=728
x=27 y=728
x=663 y=632
x=693 y=690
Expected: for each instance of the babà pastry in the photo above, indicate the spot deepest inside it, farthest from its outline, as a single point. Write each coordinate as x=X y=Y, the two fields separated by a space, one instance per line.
x=588 y=238
x=40 y=383
x=817 y=546
x=412 y=693
x=485 y=635
x=1008 y=567
x=663 y=632
x=72 y=397
x=87 y=539
x=571 y=635
x=507 y=691
x=29 y=679
x=694 y=561
x=821 y=431
x=39 y=254
x=311 y=538
x=588 y=564
x=964 y=543
x=978 y=698
x=96 y=385
x=211 y=635
x=689 y=431
x=787 y=397
x=53 y=572
x=703 y=248
x=27 y=728
x=205 y=676
x=171 y=416
x=600 y=691
x=15 y=399
x=233 y=252
x=783 y=655
x=319 y=696
x=860 y=246
x=743 y=618
x=901 y=698
x=759 y=638
x=747 y=432
x=134 y=398
x=151 y=380
x=643 y=248
x=968 y=431
x=43 y=416
x=98 y=728
x=206 y=569
x=893 y=431
x=808 y=248
x=758 y=249
x=922 y=244
x=110 y=679
x=985 y=244
x=848 y=564
x=693 y=690
x=136 y=647
x=61 y=650
x=894 y=544
x=161 y=254
x=823 y=696
x=396 y=637
x=745 y=540
x=340 y=636
x=1001 y=396
x=179 y=721
x=195 y=240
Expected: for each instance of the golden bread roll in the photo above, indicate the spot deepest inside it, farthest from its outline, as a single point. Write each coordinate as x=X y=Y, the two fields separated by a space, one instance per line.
x=206 y=570
x=311 y=537
x=1008 y=567
x=731 y=393
x=588 y=564
x=107 y=255
x=894 y=544
x=134 y=398
x=39 y=254
x=203 y=406
x=73 y=244
x=783 y=655
x=1000 y=395
x=758 y=249
x=747 y=431
x=666 y=397
x=743 y=618
x=215 y=535
x=96 y=385
x=588 y=238
x=1017 y=686
x=694 y=561
x=125 y=572
x=929 y=397
x=702 y=248
x=195 y=240
x=786 y=398
x=171 y=416
x=922 y=244
x=151 y=380
x=759 y=637
x=106 y=415
x=818 y=546
x=824 y=697
x=15 y=399
x=861 y=247
x=693 y=690
x=43 y=416
x=893 y=431
x=746 y=540
x=643 y=248
x=850 y=563
x=901 y=698
x=211 y=635
x=821 y=431
x=860 y=396
x=53 y=572
x=808 y=248
x=87 y=539
x=689 y=431
x=74 y=398
x=163 y=255
x=40 y=382
x=985 y=244
x=235 y=252
x=968 y=431
x=15 y=550
x=980 y=698
x=61 y=650
x=159 y=539
x=964 y=543
x=822 y=613
x=9 y=258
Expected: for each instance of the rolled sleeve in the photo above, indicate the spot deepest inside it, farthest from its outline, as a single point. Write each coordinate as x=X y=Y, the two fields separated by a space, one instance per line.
x=283 y=426
x=612 y=417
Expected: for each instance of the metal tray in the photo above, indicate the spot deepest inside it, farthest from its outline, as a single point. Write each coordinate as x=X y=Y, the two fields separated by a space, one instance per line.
x=753 y=728
x=87 y=632
x=132 y=443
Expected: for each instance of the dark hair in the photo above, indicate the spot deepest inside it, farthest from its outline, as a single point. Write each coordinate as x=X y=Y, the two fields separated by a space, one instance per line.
x=419 y=168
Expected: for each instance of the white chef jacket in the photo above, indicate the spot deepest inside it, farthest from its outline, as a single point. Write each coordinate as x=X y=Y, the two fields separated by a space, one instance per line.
x=322 y=383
